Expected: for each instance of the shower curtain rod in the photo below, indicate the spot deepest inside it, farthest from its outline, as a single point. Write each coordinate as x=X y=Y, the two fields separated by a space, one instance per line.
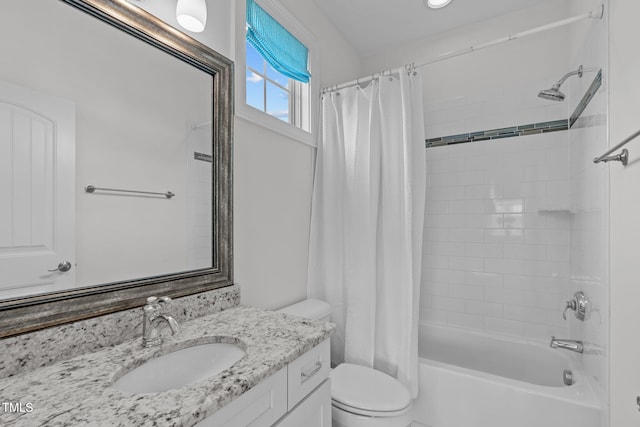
x=592 y=14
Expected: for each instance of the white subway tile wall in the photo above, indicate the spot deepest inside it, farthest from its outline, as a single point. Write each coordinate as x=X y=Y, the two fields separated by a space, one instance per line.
x=497 y=235
x=199 y=186
x=510 y=106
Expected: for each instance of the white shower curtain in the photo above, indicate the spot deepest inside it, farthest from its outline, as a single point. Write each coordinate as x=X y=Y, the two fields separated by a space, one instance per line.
x=366 y=223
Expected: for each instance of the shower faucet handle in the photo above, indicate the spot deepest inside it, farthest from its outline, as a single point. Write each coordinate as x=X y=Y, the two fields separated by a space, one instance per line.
x=571 y=304
x=580 y=304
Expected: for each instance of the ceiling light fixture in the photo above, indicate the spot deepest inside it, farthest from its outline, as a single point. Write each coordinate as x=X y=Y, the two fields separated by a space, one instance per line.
x=436 y=4
x=192 y=14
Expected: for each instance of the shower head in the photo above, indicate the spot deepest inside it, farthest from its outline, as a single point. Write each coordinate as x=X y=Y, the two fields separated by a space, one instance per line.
x=554 y=93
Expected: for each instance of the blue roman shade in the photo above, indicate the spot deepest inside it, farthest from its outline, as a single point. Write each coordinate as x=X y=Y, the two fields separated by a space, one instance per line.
x=278 y=46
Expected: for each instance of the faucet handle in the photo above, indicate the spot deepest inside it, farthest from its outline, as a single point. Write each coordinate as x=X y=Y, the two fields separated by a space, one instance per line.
x=580 y=304
x=571 y=304
x=157 y=301
x=154 y=304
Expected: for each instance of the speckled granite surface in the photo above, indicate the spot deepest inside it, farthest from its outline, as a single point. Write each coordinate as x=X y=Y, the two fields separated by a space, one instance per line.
x=37 y=349
x=77 y=391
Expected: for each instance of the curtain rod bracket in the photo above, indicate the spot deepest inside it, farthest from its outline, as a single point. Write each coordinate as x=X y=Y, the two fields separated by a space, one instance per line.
x=597 y=13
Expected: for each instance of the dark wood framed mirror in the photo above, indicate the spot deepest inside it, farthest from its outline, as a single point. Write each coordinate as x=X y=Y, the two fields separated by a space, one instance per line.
x=36 y=310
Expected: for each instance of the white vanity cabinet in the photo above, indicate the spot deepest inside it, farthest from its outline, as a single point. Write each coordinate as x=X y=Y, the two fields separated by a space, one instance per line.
x=309 y=389
x=297 y=395
x=313 y=411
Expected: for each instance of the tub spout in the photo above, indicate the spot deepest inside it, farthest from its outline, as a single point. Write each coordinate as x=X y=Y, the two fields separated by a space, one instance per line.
x=573 y=345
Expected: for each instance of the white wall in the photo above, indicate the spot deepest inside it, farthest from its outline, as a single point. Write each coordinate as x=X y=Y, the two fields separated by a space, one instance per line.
x=624 y=96
x=199 y=223
x=273 y=178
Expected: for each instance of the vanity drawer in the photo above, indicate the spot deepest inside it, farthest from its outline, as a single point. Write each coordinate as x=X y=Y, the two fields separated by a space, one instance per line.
x=313 y=411
x=261 y=406
x=307 y=372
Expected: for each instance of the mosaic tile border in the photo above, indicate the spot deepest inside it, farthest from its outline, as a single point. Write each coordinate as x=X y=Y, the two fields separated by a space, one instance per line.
x=510 y=132
x=586 y=99
x=521 y=130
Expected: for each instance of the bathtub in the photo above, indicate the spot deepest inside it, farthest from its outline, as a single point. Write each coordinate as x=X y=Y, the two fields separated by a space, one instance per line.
x=471 y=379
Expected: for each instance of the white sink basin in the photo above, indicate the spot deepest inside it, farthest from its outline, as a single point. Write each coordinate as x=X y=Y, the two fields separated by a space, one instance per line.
x=180 y=368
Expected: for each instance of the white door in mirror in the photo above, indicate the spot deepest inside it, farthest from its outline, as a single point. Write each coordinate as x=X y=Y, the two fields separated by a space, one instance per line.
x=37 y=177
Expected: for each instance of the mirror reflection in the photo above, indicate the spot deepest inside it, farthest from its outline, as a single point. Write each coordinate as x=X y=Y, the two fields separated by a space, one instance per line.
x=85 y=104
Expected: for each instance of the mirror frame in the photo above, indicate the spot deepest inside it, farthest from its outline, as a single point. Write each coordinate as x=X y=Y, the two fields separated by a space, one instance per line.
x=21 y=315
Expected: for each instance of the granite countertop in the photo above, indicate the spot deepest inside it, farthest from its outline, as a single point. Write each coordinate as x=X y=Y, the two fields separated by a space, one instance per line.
x=78 y=391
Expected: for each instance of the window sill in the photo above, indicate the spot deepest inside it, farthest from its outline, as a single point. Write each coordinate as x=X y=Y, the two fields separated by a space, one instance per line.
x=260 y=118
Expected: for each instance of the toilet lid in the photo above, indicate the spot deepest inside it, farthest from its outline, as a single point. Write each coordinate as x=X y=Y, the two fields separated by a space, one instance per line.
x=366 y=389
x=312 y=309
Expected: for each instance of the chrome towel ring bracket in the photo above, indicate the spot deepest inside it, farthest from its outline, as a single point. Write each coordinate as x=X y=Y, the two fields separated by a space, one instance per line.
x=623 y=157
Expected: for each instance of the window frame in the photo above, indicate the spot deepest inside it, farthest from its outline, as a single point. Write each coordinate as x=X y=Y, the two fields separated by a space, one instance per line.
x=293 y=108
x=249 y=113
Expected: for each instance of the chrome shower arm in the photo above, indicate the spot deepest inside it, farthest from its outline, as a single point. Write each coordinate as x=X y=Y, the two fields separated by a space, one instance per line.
x=579 y=72
x=554 y=93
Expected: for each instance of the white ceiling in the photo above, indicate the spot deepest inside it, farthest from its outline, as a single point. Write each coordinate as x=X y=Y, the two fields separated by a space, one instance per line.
x=373 y=26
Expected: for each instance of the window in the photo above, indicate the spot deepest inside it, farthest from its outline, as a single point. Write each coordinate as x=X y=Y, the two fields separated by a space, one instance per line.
x=276 y=72
x=267 y=89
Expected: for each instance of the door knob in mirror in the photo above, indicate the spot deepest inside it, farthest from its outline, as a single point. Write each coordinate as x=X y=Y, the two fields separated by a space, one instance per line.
x=62 y=267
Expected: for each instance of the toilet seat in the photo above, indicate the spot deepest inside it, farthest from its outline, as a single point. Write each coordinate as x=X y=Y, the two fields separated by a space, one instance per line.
x=374 y=414
x=365 y=391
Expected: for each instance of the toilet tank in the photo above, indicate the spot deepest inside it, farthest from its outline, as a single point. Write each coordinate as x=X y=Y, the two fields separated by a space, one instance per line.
x=312 y=309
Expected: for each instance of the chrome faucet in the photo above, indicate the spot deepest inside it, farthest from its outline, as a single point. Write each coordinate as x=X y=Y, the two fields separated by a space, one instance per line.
x=573 y=345
x=152 y=319
x=580 y=304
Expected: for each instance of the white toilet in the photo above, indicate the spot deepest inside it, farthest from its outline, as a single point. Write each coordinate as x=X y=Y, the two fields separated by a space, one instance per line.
x=360 y=396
